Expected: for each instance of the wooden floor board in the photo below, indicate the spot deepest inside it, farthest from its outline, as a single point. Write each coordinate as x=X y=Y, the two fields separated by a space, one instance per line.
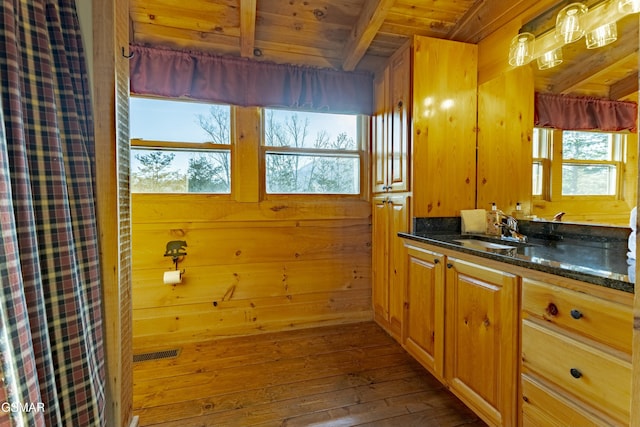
x=343 y=375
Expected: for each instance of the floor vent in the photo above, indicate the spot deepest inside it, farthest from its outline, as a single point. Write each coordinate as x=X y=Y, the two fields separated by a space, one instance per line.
x=156 y=355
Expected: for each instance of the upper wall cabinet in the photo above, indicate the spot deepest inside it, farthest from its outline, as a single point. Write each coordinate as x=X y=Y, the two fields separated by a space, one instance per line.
x=444 y=81
x=391 y=125
x=424 y=129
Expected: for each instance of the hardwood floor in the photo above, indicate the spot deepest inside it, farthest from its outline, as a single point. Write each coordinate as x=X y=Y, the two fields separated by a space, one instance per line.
x=348 y=375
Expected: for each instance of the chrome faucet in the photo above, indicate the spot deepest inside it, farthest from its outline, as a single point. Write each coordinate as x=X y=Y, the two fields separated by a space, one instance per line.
x=509 y=229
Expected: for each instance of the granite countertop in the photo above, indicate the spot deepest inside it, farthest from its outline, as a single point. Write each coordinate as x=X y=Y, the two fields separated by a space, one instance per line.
x=597 y=256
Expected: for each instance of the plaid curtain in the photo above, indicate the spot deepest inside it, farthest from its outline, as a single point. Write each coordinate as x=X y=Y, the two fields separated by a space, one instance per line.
x=51 y=345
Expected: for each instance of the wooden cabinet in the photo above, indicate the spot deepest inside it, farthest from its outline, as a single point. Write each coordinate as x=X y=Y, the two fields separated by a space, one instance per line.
x=461 y=323
x=576 y=363
x=492 y=332
x=423 y=335
x=390 y=216
x=391 y=125
x=481 y=344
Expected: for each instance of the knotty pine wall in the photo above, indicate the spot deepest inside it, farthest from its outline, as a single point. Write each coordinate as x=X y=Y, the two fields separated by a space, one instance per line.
x=252 y=265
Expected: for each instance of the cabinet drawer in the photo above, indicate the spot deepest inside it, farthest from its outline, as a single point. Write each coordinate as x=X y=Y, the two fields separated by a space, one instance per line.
x=544 y=407
x=608 y=322
x=584 y=372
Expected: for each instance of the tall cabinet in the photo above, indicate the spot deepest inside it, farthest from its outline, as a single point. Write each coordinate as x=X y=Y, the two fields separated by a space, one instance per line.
x=390 y=186
x=423 y=155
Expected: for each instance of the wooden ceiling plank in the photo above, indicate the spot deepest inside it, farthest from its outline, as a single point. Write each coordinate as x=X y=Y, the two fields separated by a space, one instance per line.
x=247 y=27
x=485 y=17
x=308 y=33
x=180 y=38
x=625 y=87
x=189 y=20
x=363 y=33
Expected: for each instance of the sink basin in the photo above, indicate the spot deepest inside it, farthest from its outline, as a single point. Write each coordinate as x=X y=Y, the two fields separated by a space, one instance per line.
x=481 y=244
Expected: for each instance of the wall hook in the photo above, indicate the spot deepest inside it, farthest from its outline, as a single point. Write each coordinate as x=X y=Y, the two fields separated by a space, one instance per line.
x=127 y=56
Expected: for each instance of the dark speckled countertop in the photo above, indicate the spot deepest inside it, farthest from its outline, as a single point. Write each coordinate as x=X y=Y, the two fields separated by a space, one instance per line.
x=592 y=254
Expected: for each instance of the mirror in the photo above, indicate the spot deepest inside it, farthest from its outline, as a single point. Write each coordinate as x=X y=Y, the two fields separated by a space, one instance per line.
x=607 y=72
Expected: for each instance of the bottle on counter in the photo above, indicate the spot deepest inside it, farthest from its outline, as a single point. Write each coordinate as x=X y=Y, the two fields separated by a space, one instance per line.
x=493 y=219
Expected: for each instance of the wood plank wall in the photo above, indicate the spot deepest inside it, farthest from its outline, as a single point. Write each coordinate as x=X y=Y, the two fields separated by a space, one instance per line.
x=252 y=265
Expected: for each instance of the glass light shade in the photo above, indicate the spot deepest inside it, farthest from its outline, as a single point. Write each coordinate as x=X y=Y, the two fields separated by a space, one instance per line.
x=550 y=59
x=569 y=26
x=521 y=49
x=602 y=36
x=629 y=6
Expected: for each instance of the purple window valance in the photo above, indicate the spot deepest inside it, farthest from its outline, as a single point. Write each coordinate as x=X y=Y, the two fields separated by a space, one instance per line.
x=243 y=82
x=584 y=113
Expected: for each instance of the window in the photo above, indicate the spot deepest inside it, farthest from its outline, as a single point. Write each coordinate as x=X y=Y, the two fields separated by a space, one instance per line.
x=180 y=147
x=312 y=153
x=577 y=163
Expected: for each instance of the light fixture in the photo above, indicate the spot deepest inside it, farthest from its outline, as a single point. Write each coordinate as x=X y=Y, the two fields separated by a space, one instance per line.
x=629 y=6
x=602 y=36
x=550 y=59
x=598 y=23
x=521 y=49
x=569 y=26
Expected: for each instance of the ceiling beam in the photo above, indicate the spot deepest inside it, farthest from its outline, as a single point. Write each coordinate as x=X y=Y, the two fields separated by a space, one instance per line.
x=247 y=27
x=625 y=87
x=362 y=34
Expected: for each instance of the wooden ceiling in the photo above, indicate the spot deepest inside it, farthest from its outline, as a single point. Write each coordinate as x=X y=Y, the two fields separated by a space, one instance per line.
x=362 y=34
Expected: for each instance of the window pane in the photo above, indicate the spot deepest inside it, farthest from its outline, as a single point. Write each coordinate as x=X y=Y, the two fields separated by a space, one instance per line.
x=537 y=179
x=290 y=173
x=165 y=171
x=586 y=145
x=300 y=129
x=179 y=121
x=582 y=179
x=536 y=143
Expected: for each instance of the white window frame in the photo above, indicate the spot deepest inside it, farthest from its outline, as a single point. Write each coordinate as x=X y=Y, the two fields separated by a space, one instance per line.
x=359 y=153
x=548 y=144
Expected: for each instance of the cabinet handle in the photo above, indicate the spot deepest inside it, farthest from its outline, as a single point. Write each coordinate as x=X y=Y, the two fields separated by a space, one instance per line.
x=575 y=373
x=576 y=314
x=449 y=265
x=400 y=104
x=436 y=261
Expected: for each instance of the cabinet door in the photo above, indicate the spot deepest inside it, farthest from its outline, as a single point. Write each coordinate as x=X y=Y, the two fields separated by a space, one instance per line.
x=398 y=206
x=380 y=260
x=397 y=148
x=380 y=132
x=424 y=309
x=481 y=344
x=443 y=145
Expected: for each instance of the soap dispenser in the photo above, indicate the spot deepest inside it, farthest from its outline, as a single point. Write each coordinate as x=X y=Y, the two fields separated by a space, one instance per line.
x=517 y=214
x=493 y=218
